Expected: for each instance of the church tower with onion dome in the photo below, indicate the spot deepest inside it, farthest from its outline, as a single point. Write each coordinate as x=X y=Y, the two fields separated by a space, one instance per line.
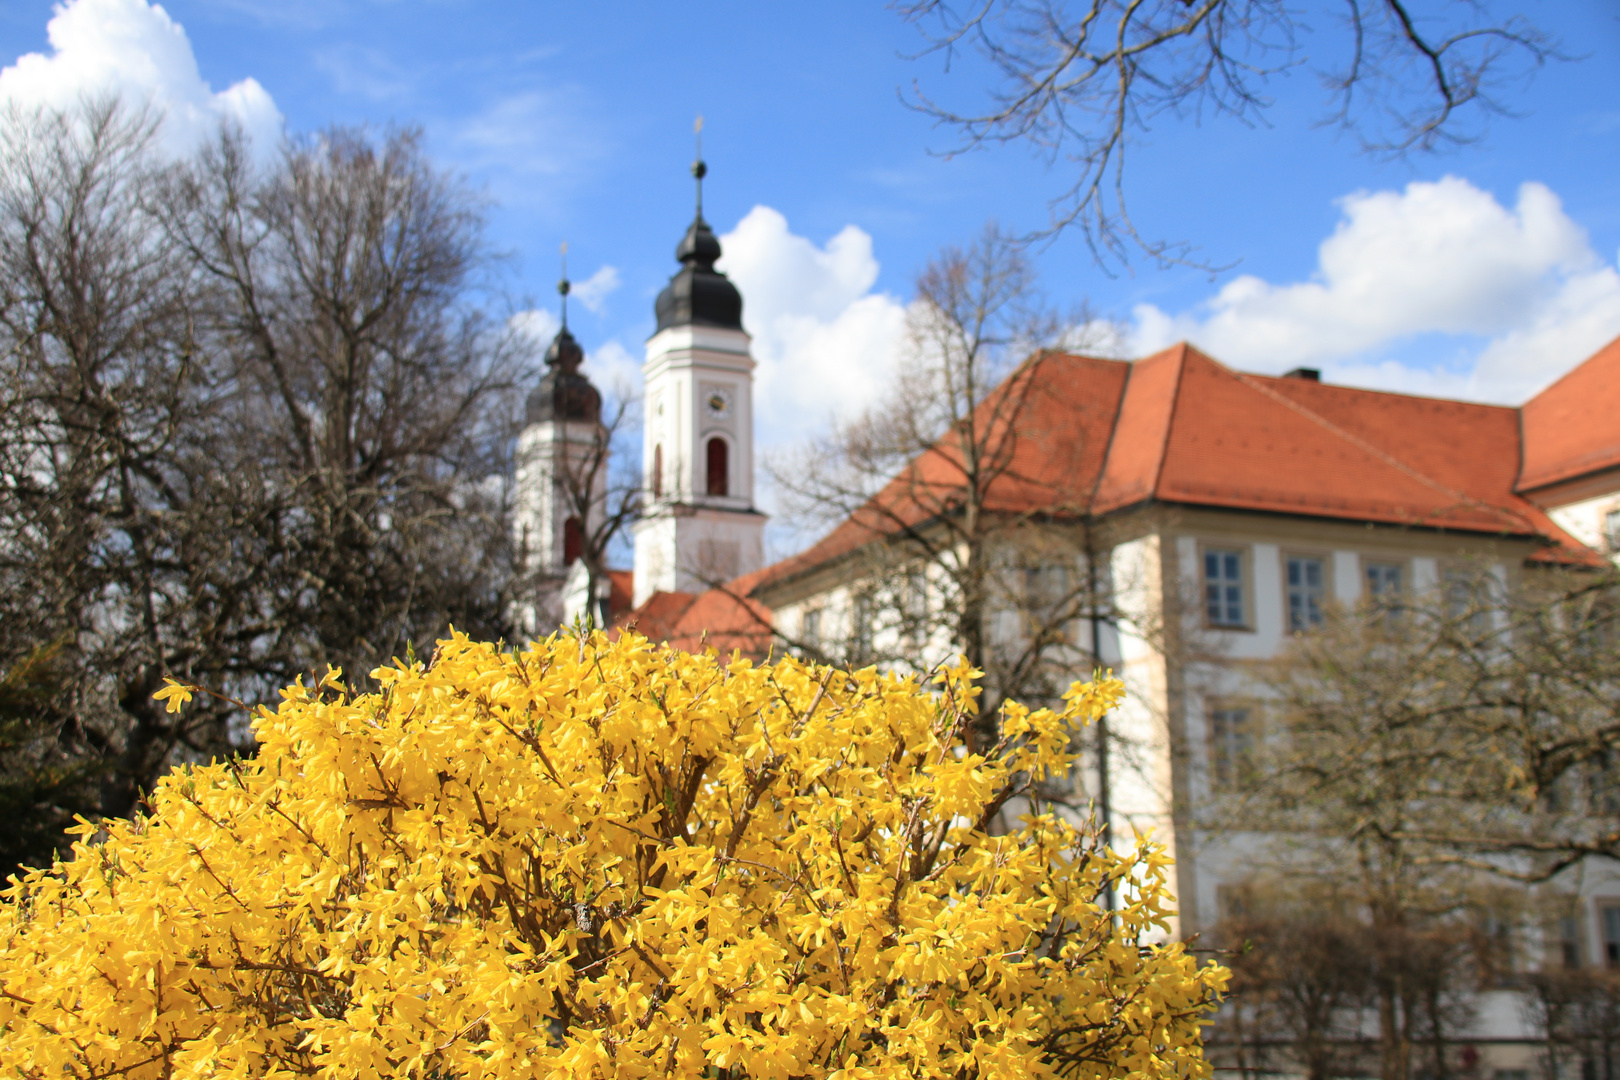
x=562 y=439
x=698 y=527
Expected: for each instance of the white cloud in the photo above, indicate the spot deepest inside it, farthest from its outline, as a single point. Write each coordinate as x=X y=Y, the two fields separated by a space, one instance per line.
x=594 y=290
x=1521 y=289
x=359 y=69
x=615 y=370
x=537 y=324
x=136 y=50
x=825 y=343
x=533 y=147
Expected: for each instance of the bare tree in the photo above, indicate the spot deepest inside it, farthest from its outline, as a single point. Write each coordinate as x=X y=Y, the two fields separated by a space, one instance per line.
x=604 y=490
x=1578 y=1013
x=348 y=296
x=1428 y=756
x=47 y=774
x=1080 y=80
x=964 y=541
x=252 y=421
x=1300 y=984
x=1499 y=702
x=130 y=543
x=1319 y=989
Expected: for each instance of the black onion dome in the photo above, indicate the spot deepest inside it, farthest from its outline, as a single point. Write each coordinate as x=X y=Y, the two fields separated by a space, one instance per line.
x=564 y=394
x=698 y=293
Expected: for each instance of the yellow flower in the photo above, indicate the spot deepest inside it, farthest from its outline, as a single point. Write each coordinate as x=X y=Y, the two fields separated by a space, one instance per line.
x=174 y=695
x=597 y=858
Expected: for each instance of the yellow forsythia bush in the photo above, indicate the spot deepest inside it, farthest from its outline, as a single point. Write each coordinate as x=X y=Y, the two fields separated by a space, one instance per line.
x=604 y=859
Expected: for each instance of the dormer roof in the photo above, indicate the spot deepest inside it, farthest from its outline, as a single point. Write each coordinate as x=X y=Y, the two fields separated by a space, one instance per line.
x=1572 y=428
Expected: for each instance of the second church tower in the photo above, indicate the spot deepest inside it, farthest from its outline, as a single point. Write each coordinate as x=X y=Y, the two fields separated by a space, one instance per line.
x=699 y=527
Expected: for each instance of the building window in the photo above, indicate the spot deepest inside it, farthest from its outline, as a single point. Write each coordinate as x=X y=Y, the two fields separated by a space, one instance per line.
x=658 y=470
x=810 y=629
x=1610 y=914
x=1231 y=745
x=914 y=607
x=1234 y=902
x=573 y=541
x=1049 y=596
x=1306 y=591
x=1567 y=941
x=1602 y=784
x=1460 y=593
x=1223 y=588
x=862 y=614
x=1496 y=943
x=719 y=455
x=1384 y=582
x=1467 y=598
x=1611 y=529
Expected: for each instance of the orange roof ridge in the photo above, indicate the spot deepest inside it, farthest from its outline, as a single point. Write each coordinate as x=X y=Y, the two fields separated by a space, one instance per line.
x=1133 y=467
x=1572 y=372
x=1568 y=430
x=1367 y=447
x=1175 y=403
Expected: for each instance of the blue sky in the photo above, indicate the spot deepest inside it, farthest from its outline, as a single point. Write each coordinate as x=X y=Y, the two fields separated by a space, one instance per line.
x=1482 y=273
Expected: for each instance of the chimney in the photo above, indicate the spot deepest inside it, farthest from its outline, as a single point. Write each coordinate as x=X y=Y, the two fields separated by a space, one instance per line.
x=1309 y=374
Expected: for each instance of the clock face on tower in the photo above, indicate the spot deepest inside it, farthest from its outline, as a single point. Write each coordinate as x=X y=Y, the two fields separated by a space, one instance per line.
x=717 y=403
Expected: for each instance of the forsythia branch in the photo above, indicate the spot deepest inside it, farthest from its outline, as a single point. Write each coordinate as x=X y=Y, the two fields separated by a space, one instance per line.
x=595 y=857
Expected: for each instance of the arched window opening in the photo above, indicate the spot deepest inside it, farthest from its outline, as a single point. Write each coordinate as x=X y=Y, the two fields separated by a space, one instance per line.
x=719 y=467
x=658 y=470
x=573 y=541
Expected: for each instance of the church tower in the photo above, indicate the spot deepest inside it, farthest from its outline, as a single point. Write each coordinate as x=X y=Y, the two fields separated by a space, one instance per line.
x=560 y=483
x=699 y=527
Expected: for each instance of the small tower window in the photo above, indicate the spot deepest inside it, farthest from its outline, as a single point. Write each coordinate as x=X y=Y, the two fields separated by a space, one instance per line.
x=658 y=470
x=573 y=541
x=719 y=467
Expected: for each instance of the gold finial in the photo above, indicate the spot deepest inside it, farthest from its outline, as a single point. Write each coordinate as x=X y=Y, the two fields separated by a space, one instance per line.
x=563 y=286
x=699 y=170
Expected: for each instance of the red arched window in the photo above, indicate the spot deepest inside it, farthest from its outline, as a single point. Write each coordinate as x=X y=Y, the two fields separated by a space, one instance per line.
x=658 y=470
x=719 y=467
x=573 y=541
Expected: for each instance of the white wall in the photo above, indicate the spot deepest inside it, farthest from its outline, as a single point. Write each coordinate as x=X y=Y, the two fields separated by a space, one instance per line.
x=1585 y=520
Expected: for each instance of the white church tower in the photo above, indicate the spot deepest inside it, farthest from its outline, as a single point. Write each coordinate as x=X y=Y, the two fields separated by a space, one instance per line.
x=698 y=527
x=561 y=454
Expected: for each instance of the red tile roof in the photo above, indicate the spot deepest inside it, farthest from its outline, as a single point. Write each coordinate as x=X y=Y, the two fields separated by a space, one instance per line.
x=621 y=587
x=1085 y=435
x=724 y=618
x=1179 y=427
x=659 y=614
x=1295 y=446
x=1573 y=427
x=1136 y=454
x=1054 y=416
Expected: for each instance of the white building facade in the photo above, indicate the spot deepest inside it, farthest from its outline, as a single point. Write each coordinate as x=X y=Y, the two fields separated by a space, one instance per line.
x=559 y=486
x=699 y=528
x=1228 y=512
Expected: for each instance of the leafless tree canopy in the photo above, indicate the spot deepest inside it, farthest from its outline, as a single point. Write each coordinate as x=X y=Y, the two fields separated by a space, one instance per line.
x=1477 y=728
x=1422 y=760
x=1079 y=80
x=948 y=563
x=249 y=422
x=343 y=302
x=599 y=475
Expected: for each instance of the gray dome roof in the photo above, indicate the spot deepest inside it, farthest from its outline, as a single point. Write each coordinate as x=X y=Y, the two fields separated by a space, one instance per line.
x=699 y=294
x=564 y=394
